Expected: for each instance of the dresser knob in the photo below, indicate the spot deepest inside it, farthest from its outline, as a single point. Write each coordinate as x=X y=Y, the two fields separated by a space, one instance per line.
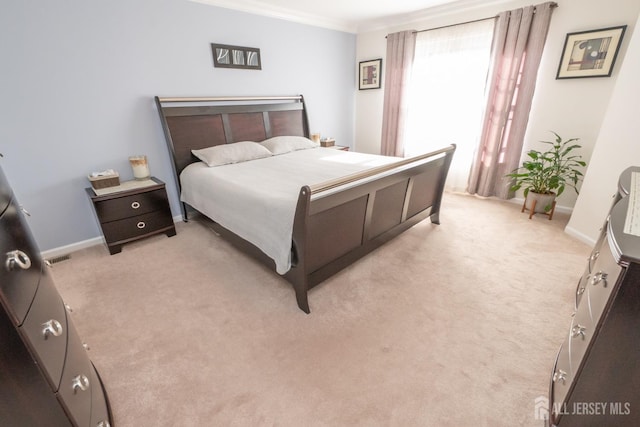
x=52 y=327
x=141 y=225
x=17 y=258
x=103 y=423
x=81 y=382
x=600 y=276
x=560 y=375
x=135 y=205
x=579 y=330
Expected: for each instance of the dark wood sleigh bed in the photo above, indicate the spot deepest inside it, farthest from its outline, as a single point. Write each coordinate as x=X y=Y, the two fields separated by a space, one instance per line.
x=345 y=219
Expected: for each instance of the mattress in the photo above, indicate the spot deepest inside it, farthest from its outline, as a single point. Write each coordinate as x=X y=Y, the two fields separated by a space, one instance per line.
x=257 y=199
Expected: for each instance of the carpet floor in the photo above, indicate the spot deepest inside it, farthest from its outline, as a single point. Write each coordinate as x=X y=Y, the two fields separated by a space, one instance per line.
x=455 y=324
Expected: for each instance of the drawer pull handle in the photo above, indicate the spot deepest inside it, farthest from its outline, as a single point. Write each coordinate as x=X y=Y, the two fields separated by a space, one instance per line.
x=560 y=375
x=579 y=330
x=600 y=276
x=17 y=258
x=141 y=225
x=103 y=423
x=81 y=382
x=580 y=290
x=135 y=205
x=52 y=327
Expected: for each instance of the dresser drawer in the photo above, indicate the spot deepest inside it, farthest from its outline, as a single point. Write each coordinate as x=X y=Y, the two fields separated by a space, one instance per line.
x=580 y=335
x=137 y=226
x=76 y=384
x=45 y=328
x=606 y=272
x=5 y=192
x=132 y=205
x=560 y=382
x=99 y=406
x=21 y=264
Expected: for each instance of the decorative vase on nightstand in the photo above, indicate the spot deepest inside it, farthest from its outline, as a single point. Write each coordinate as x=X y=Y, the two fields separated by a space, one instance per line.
x=140 y=167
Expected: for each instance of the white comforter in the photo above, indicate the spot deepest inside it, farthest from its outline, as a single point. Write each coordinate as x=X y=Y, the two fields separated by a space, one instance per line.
x=257 y=199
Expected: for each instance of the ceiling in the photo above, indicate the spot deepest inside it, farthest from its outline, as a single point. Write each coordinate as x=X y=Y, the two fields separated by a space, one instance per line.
x=344 y=15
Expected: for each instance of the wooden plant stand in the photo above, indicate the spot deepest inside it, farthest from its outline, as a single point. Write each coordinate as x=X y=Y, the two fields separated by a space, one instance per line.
x=532 y=211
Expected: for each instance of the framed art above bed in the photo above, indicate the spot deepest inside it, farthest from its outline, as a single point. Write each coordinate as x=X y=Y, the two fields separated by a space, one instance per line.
x=322 y=216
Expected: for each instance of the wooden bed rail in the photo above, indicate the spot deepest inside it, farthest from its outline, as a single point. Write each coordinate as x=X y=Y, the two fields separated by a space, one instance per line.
x=230 y=98
x=328 y=185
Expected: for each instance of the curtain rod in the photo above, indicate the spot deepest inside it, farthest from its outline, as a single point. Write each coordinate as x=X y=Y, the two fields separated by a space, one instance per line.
x=467 y=22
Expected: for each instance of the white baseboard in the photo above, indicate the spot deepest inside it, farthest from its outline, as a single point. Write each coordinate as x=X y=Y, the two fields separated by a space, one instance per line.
x=569 y=230
x=73 y=247
x=67 y=249
x=580 y=236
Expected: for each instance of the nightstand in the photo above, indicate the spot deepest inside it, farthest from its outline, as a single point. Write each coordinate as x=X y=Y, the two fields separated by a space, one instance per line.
x=132 y=211
x=340 y=147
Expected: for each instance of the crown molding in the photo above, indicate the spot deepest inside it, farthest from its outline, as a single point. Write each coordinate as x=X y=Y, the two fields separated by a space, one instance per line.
x=426 y=14
x=262 y=8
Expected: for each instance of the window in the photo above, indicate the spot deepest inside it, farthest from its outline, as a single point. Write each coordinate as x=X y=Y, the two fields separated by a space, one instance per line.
x=447 y=94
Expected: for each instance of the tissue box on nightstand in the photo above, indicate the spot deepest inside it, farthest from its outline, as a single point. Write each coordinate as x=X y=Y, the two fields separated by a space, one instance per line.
x=327 y=142
x=104 y=181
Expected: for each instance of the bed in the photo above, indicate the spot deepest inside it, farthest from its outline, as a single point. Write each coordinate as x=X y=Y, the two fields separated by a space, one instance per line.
x=307 y=212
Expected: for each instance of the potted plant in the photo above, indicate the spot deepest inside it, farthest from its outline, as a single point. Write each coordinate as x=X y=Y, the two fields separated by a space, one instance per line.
x=546 y=174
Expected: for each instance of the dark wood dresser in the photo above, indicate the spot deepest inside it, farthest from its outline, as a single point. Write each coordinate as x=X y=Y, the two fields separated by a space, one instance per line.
x=132 y=214
x=596 y=377
x=46 y=376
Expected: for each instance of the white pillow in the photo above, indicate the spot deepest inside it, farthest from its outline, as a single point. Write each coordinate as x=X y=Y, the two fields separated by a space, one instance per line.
x=236 y=152
x=285 y=144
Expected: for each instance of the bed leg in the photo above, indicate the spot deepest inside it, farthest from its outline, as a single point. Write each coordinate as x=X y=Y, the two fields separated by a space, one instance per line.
x=303 y=302
x=435 y=218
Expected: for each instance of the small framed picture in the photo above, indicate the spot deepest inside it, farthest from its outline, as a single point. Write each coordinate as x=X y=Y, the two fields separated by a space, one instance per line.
x=590 y=53
x=227 y=56
x=370 y=74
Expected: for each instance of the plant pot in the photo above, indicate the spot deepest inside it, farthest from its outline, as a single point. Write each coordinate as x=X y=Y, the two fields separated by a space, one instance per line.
x=544 y=202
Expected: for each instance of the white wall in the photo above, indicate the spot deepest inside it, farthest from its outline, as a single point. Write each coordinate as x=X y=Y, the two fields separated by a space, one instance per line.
x=573 y=108
x=617 y=147
x=78 y=80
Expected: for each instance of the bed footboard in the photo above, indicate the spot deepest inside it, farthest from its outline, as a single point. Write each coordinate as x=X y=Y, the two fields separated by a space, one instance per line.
x=340 y=221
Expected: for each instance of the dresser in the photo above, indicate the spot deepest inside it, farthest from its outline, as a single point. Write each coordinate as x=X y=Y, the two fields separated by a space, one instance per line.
x=46 y=376
x=129 y=214
x=596 y=376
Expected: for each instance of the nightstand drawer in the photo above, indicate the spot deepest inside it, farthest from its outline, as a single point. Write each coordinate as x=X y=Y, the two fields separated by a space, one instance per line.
x=46 y=330
x=137 y=226
x=133 y=205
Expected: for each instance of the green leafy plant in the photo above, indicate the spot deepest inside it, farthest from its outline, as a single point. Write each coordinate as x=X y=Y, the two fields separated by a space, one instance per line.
x=550 y=171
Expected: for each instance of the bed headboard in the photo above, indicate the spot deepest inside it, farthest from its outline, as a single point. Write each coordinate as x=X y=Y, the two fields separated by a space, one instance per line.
x=194 y=123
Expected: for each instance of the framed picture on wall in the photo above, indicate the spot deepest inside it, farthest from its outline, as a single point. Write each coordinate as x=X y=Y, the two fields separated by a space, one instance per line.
x=228 y=56
x=370 y=74
x=590 y=53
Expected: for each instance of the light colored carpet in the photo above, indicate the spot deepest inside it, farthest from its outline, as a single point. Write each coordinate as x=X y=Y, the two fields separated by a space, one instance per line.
x=449 y=325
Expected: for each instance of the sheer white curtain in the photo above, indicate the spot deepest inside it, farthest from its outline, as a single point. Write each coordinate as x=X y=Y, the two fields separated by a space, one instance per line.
x=447 y=94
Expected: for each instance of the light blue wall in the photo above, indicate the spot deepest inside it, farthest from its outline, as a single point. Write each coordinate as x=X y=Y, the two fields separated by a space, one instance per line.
x=78 y=79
